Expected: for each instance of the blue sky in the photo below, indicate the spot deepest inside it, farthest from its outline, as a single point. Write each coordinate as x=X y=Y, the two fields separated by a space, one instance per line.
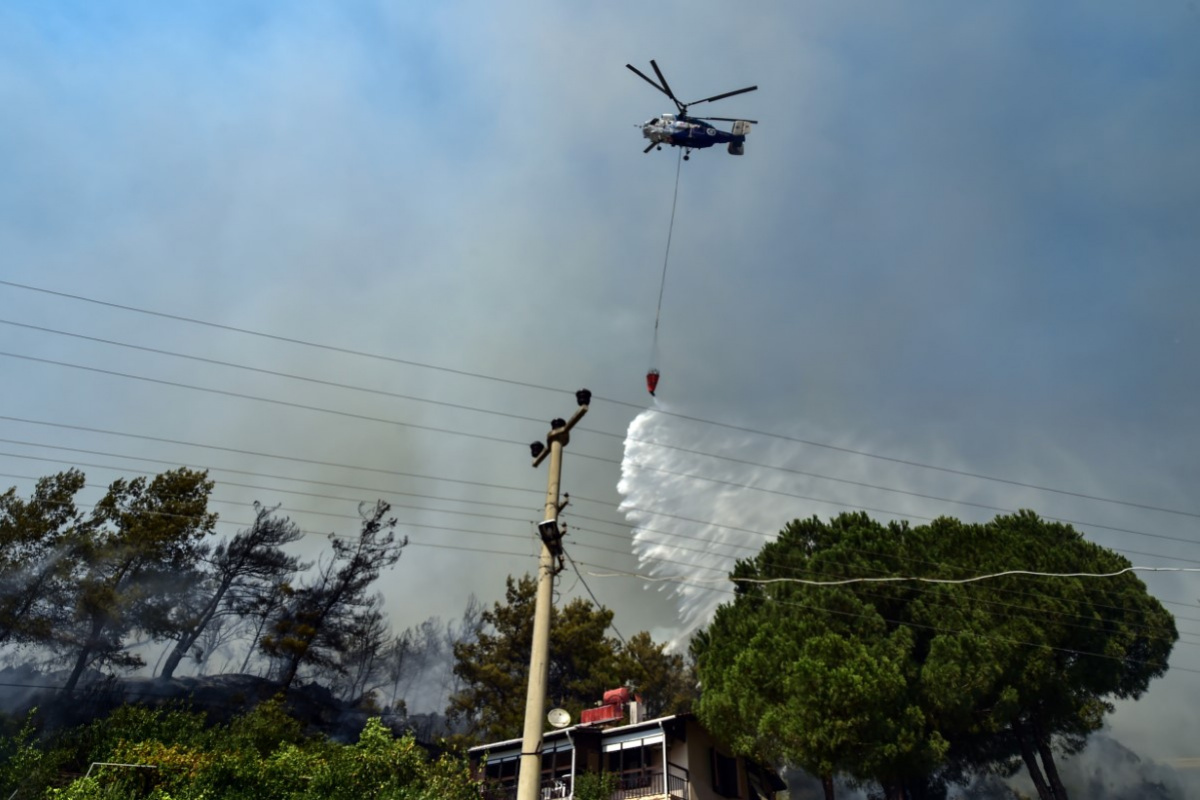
x=962 y=235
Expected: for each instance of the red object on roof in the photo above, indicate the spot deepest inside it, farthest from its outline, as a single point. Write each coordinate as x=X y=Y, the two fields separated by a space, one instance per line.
x=615 y=696
x=605 y=713
x=652 y=381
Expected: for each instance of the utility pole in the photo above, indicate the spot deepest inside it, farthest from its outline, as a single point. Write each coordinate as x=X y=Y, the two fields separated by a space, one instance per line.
x=529 y=780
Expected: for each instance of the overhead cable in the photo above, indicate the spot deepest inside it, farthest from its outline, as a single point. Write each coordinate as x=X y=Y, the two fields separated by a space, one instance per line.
x=614 y=401
x=915 y=625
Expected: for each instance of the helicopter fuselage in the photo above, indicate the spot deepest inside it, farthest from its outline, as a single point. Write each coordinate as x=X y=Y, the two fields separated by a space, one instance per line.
x=689 y=133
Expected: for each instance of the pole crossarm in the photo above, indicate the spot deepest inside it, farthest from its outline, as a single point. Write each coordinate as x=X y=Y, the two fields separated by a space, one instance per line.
x=561 y=434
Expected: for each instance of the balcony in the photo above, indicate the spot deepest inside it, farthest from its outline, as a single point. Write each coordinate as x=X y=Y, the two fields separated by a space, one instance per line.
x=652 y=784
x=551 y=789
x=631 y=785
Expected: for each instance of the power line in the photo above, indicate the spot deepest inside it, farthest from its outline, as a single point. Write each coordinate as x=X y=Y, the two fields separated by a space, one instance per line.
x=959 y=581
x=278 y=374
x=923 y=465
x=274 y=401
x=614 y=401
x=292 y=404
x=935 y=599
x=1015 y=592
x=476 y=409
x=364 y=489
x=676 y=473
x=919 y=626
x=981 y=506
x=286 y=339
x=407 y=526
x=696 y=452
x=331 y=514
x=412 y=526
x=261 y=454
x=611 y=623
x=427 y=509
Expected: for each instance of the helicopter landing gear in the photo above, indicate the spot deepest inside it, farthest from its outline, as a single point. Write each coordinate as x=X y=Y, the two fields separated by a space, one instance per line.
x=687 y=154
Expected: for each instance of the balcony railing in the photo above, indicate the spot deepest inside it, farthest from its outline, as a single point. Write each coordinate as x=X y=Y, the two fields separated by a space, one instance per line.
x=630 y=786
x=652 y=784
x=553 y=789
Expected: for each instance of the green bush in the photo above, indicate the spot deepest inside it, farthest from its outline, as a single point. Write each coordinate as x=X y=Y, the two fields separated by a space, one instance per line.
x=262 y=755
x=595 y=786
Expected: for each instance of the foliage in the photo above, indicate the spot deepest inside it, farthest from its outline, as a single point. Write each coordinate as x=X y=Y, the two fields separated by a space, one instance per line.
x=37 y=539
x=584 y=662
x=909 y=684
x=665 y=683
x=141 y=546
x=24 y=765
x=248 y=563
x=312 y=626
x=595 y=786
x=258 y=756
x=82 y=587
x=361 y=661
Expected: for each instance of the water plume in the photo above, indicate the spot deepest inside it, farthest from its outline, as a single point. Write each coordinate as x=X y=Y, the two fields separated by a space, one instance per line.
x=700 y=496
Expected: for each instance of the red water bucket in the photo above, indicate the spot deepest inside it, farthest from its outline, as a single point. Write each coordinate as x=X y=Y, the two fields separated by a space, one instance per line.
x=652 y=381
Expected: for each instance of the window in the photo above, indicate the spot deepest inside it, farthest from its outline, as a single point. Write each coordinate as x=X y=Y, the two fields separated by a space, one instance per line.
x=725 y=774
x=501 y=776
x=757 y=784
x=638 y=764
x=556 y=764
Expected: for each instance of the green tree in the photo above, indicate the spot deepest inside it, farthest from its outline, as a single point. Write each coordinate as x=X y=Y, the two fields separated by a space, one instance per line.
x=911 y=684
x=817 y=677
x=313 y=625
x=38 y=541
x=665 y=682
x=1056 y=650
x=584 y=662
x=142 y=543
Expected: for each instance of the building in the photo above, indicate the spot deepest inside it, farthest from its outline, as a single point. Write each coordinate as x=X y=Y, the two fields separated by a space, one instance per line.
x=669 y=758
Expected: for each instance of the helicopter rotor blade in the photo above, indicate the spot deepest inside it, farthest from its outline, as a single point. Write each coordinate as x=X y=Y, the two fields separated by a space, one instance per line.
x=683 y=109
x=723 y=96
x=642 y=75
x=727 y=119
x=662 y=78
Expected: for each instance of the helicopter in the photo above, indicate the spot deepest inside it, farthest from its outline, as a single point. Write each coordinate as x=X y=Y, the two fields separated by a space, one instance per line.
x=692 y=133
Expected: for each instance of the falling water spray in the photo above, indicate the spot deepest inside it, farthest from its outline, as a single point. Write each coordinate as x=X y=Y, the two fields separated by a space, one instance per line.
x=677 y=519
x=699 y=497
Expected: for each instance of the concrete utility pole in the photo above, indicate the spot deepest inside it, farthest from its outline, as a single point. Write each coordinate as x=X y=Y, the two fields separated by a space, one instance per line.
x=529 y=780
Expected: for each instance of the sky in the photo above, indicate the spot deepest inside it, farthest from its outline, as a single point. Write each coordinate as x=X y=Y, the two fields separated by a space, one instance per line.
x=385 y=242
